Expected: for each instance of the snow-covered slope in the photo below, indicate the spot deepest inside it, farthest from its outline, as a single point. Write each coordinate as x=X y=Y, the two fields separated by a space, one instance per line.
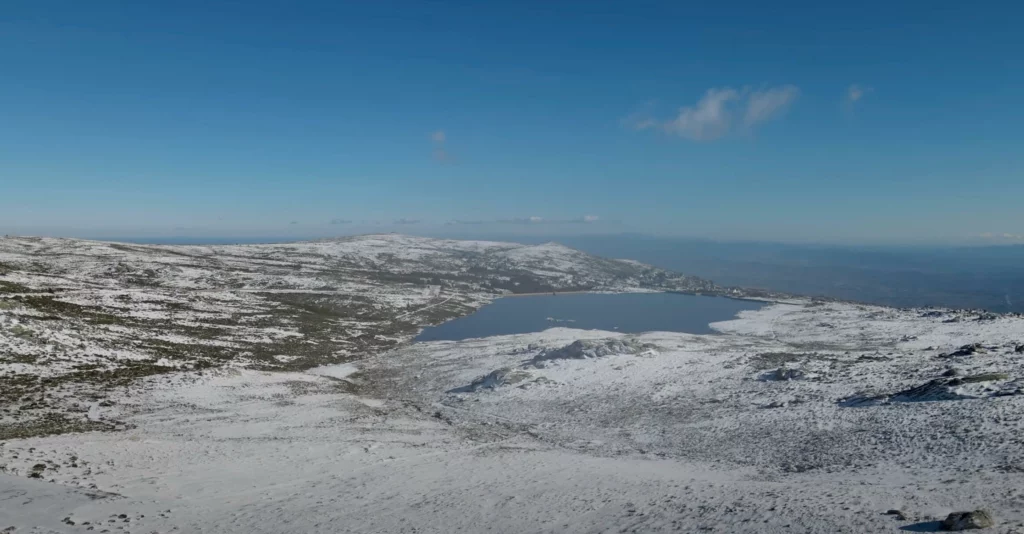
x=338 y=264
x=566 y=430
x=78 y=318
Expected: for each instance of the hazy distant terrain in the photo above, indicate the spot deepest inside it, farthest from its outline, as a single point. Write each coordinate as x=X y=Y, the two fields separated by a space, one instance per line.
x=986 y=277
x=990 y=278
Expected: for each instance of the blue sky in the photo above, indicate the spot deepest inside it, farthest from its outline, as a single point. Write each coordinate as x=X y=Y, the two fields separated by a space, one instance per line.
x=853 y=122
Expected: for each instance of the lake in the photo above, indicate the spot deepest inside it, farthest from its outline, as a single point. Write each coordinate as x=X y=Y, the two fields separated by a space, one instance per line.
x=620 y=312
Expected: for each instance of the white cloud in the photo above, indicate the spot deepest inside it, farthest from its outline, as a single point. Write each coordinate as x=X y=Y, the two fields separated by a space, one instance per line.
x=712 y=117
x=765 y=105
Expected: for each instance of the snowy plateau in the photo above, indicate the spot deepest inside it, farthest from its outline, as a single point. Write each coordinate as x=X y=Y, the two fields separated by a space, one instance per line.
x=274 y=388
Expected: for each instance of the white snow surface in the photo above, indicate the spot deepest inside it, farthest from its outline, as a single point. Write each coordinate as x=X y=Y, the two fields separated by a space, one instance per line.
x=581 y=431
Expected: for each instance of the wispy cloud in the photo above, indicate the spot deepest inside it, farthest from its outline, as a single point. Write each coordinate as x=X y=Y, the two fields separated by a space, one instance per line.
x=642 y=118
x=524 y=220
x=713 y=116
x=585 y=219
x=763 y=106
x=535 y=219
x=853 y=95
x=710 y=119
x=856 y=92
x=404 y=220
x=341 y=221
x=440 y=151
x=992 y=236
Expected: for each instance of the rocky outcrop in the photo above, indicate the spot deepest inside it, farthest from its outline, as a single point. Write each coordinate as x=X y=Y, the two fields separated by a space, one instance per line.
x=966 y=350
x=585 y=349
x=977 y=519
x=506 y=376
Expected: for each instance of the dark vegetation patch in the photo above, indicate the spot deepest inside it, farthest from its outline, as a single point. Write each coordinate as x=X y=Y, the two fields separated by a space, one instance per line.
x=49 y=424
x=13 y=287
x=57 y=309
x=128 y=372
x=773 y=360
x=17 y=358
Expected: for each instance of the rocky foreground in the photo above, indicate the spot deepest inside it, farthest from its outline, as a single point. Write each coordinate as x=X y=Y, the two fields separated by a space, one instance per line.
x=803 y=416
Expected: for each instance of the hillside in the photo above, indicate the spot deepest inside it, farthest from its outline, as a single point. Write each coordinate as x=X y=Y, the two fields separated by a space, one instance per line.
x=79 y=318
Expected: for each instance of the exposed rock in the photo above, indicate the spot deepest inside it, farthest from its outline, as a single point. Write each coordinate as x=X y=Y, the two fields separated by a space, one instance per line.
x=934 y=390
x=495 y=379
x=939 y=389
x=968 y=520
x=586 y=348
x=985 y=377
x=899 y=515
x=783 y=373
x=863 y=399
x=966 y=350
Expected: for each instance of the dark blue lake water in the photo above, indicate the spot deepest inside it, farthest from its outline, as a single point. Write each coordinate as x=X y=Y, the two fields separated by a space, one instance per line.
x=629 y=312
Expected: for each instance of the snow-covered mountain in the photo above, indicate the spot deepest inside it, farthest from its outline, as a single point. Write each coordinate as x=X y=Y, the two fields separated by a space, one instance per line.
x=85 y=315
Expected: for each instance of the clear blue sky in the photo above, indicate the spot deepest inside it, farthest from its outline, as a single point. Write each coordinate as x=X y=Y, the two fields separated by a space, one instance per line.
x=821 y=121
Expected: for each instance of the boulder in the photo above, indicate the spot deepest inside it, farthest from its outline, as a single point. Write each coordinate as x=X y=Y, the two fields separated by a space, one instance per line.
x=977 y=519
